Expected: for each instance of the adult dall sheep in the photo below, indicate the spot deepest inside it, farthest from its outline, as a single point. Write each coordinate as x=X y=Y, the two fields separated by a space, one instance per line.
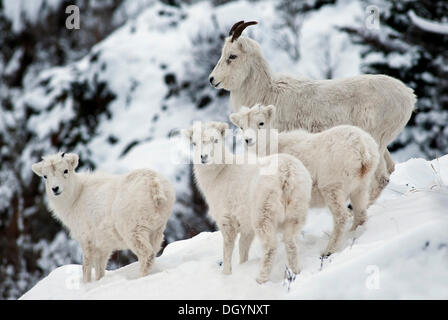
x=341 y=161
x=106 y=212
x=379 y=104
x=261 y=197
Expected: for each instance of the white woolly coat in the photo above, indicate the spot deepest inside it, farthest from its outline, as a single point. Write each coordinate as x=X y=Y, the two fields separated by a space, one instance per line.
x=107 y=209
x=379 y=104
x=342 y=155
x=231 y=191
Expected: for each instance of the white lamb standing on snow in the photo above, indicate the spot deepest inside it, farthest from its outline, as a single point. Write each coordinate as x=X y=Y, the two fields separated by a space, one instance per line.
x=341 y=160
x=241 y=198
x=106 y=212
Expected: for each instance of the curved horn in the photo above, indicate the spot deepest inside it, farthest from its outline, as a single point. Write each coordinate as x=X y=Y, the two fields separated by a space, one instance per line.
x=235 y=26
x=241 y=28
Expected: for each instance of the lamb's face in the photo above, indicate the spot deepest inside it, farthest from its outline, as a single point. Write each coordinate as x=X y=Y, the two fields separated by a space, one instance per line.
x=207 y=140
x=233 y=67
x=254 y=122
x=57 y=171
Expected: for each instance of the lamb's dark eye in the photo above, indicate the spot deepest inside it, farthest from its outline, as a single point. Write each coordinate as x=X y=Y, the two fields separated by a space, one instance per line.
x=233 y=57
x=194 y=144
x=65 y=171
x=261 y=124
x=45 y=177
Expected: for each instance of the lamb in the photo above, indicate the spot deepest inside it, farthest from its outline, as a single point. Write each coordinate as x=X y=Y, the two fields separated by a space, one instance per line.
x=242 y=198
x=106 y=212
x=341 y=161
x=379 y=104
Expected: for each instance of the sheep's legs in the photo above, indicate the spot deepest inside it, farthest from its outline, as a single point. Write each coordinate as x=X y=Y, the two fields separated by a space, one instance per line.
x=244 y=245
x=87 y=255
x=289 y=238
x=100 y=264
x=335 y=200
x=269 y=242
x=140 y=245
x=296 y=213
x=390 y=164
x=379 y=181
x=156 y=239
x=229 y=235
x=359 y=200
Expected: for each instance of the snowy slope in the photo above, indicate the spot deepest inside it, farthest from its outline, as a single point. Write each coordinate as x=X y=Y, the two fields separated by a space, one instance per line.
x=401 y=253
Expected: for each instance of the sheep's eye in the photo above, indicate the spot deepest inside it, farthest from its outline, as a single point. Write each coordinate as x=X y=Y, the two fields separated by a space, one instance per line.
x=45 y=177
x=65 y=171
x=261 y=124
x=194 y=144
x=233 y=57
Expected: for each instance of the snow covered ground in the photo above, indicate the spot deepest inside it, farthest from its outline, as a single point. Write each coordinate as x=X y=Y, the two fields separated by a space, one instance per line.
x=401 y=253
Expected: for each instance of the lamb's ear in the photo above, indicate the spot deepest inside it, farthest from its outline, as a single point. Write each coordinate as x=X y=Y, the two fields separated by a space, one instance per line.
x=187 y=133
x=72 y=160
x=37 y=168
x=221 y=127
x=236 y=119
x=269 y=111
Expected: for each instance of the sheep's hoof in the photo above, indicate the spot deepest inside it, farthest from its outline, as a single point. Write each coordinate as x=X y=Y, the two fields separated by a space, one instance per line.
x=357 y=225
x=326 y=255
x=261 y=280
x=295 y=271
x=227 y=271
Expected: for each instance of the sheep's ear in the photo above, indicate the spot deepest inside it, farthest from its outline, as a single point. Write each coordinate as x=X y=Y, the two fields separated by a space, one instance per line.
x=269 y=111
x=37 y=168
x=72 y=160
x=236 y=119
x=187 y=133
x=242 y=45
x=221 y=127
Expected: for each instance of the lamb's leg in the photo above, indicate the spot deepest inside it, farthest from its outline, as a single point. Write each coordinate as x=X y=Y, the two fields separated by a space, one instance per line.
x=269 y=242
x=359 y=199
x=335 y=200
x=389 y=162
x=87 y=260
x=296 y=212
x=379 y=182
x=141 y=246
x=289 y=238
x=229 y=234
x=156 y=239
x=101 y=263
x=246 y=239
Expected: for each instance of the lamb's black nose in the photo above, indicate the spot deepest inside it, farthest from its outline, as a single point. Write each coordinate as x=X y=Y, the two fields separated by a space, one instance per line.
x=204 y=156
x=248 y=141
x=55 y=189
x=211 y=80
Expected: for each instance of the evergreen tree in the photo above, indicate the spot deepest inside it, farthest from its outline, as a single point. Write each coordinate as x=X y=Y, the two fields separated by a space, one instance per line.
x=293 y=13
x=405 y=50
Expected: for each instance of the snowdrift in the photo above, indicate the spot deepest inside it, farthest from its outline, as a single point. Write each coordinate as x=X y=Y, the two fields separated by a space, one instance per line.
x=401 y=253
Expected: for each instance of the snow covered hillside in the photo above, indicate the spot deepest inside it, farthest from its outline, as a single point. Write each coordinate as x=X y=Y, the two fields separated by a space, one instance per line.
x=137 y=72
x=401 y=253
